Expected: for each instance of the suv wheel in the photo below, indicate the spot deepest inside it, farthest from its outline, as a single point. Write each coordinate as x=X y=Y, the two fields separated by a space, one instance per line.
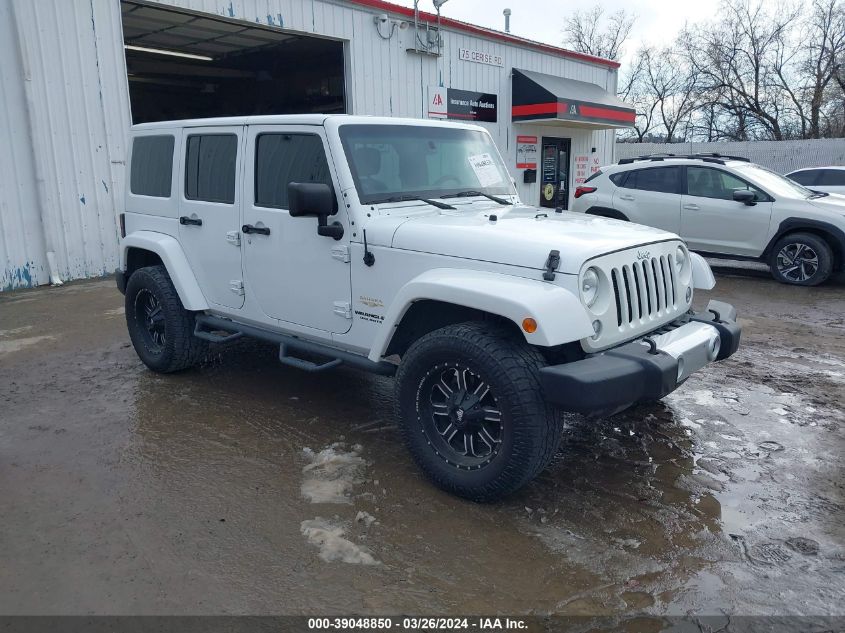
x=162 y=331
x=802 y=259
x=471 y=411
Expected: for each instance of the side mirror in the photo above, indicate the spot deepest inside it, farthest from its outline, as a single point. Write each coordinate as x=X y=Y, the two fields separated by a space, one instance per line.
x=311 y=199
x=745 y=196
x=315 y=199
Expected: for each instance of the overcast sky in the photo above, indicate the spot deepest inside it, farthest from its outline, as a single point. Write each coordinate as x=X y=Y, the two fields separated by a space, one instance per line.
x=657 y=23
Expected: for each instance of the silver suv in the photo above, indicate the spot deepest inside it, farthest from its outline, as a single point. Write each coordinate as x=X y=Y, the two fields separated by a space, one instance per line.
x=726 y=206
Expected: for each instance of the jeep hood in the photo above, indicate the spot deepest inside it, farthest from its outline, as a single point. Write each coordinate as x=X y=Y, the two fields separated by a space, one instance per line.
x=521 y=236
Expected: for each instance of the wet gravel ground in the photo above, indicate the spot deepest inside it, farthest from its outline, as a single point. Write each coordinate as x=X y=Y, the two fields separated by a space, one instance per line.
x=125 y=492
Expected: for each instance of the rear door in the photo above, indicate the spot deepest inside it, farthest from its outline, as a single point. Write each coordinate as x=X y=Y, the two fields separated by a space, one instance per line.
x=209 y=209
x=651 y=196
x=712 y=221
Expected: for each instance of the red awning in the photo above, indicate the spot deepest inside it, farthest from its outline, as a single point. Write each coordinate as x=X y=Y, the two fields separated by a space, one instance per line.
x=547 y=99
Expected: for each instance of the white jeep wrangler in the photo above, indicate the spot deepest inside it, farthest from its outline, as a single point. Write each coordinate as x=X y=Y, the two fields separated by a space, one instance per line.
x=401 y=247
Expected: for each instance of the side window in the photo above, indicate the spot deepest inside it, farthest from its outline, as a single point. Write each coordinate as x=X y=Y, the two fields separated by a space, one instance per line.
x=806 y=178
x=281 y=159
x=618 y=179
x=706 y=182
x=152 y=166
x=210 y=167
x=659 y=179
x=832 y=178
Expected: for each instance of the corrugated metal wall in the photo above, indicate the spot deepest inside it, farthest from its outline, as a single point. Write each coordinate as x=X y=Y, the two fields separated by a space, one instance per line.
x=65 y=111
x=66 y=104
x=780 y=156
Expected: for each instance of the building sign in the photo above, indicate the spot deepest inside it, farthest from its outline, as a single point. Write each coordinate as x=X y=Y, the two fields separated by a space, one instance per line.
x=585 y=166
x=526 y=152
x=480 y=57
x=448 y=103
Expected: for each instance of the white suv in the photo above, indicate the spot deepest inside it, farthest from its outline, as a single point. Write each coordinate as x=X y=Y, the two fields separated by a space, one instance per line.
x=400 y=247
x=725 y=206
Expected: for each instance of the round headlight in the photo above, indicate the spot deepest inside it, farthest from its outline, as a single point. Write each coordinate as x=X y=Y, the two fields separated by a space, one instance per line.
x=681 y=259
x=590 y=287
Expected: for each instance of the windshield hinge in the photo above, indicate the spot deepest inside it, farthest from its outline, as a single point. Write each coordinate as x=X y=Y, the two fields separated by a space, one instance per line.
x=552 y=263
x=341 y=253
x=237 y=286
x=343 y=308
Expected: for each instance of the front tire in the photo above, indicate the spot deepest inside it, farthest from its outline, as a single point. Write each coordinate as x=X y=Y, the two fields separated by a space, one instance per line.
x=471 y=411
x=161 y=329
x=801 y=259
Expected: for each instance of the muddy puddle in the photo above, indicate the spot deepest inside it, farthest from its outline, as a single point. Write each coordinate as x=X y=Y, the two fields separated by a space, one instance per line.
x=247 y=487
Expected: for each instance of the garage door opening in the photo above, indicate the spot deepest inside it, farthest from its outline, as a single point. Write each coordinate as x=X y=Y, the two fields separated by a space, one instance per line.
x=182 y=65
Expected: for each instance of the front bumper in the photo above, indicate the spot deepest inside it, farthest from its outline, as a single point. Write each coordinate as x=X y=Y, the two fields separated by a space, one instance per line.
x=646 y=369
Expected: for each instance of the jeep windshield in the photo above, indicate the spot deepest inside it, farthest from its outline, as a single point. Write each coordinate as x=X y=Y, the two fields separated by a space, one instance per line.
x=395 y=162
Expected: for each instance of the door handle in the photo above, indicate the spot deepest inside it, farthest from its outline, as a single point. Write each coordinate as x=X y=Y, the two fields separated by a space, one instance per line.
x=692 y=207
x=185 y=220
x=626 y=197
x=262 y=230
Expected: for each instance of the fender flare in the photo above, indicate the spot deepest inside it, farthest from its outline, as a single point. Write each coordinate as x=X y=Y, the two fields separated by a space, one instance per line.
x=560 y=316
x=702 y=275
x=174 y=260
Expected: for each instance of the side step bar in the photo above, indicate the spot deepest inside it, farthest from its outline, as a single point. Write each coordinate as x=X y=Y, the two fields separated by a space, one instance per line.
x=206 y=324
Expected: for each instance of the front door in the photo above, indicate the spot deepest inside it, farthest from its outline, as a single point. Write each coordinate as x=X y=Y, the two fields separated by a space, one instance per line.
x=554 y=184
x=712 y=221
x=294 y=274
x=209 y=210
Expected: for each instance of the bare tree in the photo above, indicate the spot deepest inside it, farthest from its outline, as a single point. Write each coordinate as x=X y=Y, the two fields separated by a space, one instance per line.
x=673 y=85
x=736 y=58
x=590 y=32
x=821 y=63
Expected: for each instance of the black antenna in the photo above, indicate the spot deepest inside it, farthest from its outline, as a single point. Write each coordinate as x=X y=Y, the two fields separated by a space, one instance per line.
x=369 y=258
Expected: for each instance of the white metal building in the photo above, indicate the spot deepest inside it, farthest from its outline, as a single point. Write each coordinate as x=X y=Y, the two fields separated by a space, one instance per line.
x=75 y=74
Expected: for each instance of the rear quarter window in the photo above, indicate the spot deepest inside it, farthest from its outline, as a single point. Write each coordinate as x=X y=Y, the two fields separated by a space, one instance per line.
x=152 y=166
x=618 y=179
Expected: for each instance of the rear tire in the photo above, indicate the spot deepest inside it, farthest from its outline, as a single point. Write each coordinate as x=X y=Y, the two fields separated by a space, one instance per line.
x=471 y=411
x=161 y=329
x=801 y=259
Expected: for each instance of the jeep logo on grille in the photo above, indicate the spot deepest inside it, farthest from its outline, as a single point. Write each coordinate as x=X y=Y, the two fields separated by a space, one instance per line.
x=643 y=254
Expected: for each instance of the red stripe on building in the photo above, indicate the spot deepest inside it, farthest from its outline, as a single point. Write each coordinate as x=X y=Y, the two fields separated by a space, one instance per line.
x=596 y=112
x=535 y=108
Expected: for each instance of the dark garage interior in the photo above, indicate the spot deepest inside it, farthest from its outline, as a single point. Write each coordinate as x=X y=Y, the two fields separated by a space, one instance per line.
x=181 y=65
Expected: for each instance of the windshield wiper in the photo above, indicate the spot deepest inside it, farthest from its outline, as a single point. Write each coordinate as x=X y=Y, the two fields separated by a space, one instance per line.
x=817 y=194
x=472 y=192
x=434 y=203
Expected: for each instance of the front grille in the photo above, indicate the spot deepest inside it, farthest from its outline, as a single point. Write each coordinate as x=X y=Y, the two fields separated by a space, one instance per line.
x=644 y=290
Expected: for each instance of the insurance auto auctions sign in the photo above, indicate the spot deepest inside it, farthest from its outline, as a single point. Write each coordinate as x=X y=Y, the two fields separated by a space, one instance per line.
x=448 y=103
